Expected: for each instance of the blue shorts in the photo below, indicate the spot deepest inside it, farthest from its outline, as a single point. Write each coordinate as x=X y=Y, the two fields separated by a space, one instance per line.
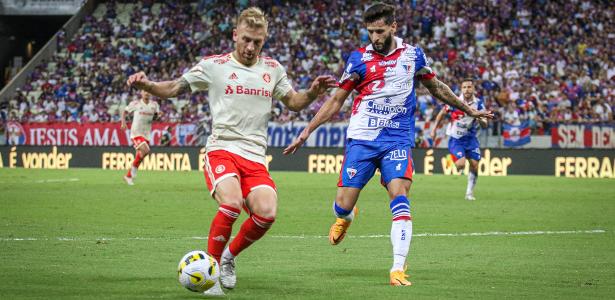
x=362 y=158
x=466 y=146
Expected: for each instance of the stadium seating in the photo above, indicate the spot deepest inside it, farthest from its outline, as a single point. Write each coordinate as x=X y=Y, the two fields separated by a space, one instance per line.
x=551 y=64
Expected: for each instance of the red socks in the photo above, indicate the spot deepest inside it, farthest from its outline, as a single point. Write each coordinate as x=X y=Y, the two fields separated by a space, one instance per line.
x=135 y=163
x=220 y=230
x=137 y=160
x=251 y=230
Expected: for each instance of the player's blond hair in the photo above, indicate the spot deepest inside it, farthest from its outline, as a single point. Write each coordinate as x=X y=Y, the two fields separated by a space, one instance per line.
x=253 y=17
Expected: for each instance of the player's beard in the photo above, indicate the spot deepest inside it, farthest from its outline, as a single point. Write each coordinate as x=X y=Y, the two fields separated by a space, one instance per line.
x=385 y=46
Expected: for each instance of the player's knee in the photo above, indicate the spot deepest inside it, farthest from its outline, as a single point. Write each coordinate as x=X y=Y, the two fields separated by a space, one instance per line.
x=460 y=164
x=398 y=187
x=267 y=212
x=233 y=201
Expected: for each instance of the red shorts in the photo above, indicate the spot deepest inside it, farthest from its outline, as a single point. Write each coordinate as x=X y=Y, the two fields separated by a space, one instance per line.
x=137 y=141
x=220 y=164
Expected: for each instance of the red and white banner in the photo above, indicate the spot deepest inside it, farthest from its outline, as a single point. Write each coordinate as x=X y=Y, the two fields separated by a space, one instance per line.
x=92 y=134
x=583 y=136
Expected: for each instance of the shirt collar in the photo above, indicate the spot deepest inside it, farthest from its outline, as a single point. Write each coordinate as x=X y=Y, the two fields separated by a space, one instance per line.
x=398 y=41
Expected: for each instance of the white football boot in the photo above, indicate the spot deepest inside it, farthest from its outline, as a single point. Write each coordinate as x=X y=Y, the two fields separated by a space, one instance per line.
x=128 y=180
x=470 y=197
x=227 y=270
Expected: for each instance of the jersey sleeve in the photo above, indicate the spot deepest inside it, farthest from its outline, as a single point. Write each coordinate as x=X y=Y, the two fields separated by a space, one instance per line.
x=353 y=73
x=423 y=70
x=199 y=77
x=132 y=106
x=282 y=86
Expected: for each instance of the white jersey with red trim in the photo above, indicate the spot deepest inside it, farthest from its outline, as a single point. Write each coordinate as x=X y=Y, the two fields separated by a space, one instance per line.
x=384 y=109
x=240 y=99
x=142 y=118
x=461 y=124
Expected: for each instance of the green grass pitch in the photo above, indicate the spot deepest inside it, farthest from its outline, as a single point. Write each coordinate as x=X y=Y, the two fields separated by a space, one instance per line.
x=83 y=233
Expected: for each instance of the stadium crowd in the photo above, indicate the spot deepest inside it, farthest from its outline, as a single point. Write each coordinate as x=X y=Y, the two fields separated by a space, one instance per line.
x=541 y=61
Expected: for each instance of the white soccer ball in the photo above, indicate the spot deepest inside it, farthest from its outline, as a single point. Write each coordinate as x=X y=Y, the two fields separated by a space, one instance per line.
x=197 y=271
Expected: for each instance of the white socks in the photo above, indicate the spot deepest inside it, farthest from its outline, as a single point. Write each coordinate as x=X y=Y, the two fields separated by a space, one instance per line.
x=401 y=234
x=227 y=254
x=472 y=177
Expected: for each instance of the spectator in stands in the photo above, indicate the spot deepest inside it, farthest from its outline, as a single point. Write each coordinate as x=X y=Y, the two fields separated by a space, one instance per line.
x=603 y=111
x=511 y=115
x=557 y=56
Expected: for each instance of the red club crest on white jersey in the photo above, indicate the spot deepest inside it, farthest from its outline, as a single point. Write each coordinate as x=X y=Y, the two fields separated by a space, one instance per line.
x=267 y=77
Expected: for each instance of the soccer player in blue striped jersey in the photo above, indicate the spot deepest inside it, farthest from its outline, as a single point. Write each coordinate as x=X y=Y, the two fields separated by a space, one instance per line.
x=381 y=130
x=462 y=130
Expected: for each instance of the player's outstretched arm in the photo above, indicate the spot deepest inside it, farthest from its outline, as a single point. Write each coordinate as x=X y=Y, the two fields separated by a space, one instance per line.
x=123 y=119
x=297 y=101
x=443 y=93
x=162 y=89
x=328 y=109
x=436 y=124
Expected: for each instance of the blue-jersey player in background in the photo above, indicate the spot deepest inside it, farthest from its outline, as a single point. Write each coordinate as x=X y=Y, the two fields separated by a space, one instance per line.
x=381 y=130
x=462 y=130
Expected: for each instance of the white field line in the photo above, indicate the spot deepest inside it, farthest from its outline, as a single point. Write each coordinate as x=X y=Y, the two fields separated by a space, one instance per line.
x=375 y=236
x=57 y=180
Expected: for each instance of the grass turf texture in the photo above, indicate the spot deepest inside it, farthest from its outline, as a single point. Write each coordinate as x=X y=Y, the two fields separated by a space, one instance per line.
x=124 y=242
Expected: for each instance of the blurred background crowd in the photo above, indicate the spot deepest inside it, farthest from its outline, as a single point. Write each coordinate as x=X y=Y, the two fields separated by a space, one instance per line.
x=542 y=61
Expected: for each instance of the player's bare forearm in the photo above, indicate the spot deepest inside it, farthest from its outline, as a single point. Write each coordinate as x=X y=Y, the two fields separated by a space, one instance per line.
x=123 y=120
x=443 y=93
x=439 y=119
x=328 y=109
x=434 y=129
x=163 y=89
x=297 y=101
x=167 y=89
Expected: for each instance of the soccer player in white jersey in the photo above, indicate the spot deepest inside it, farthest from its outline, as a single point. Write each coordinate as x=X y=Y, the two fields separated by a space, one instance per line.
x=241 y=85
x=144 y=112
x=462 y=131
x=381 y=128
